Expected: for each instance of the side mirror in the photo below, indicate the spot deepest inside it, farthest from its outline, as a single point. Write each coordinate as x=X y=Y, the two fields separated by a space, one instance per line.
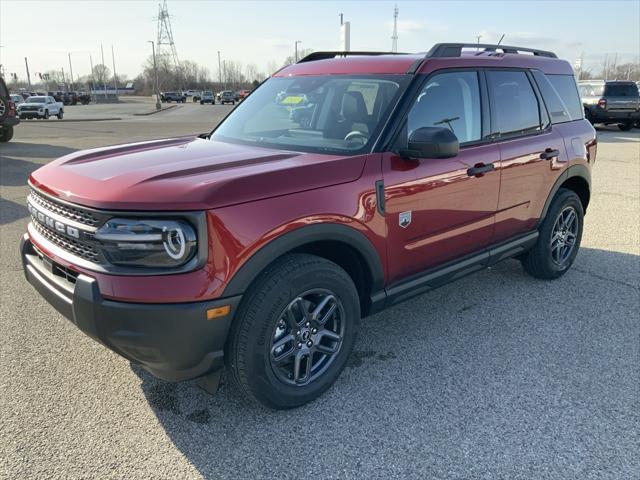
x=431 y=142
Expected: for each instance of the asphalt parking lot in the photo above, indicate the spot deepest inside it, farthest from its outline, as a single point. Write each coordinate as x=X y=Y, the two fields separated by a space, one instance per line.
x=495 y=376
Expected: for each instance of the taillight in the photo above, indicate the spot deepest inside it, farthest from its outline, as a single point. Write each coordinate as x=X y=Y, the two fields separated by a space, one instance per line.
x=12 y=109
x=602 y=103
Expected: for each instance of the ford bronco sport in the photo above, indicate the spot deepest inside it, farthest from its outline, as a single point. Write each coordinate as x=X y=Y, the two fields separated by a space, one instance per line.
x=262 y=244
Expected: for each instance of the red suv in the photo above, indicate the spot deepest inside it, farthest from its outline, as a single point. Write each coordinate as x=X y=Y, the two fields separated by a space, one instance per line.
x=346 y=183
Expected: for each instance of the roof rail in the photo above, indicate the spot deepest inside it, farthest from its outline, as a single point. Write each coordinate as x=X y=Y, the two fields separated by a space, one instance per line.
x=313 y=56
x=455 y=49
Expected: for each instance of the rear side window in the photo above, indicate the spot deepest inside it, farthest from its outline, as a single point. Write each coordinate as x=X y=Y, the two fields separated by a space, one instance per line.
x=515 y=105
x=620 y=90
x=565 y=86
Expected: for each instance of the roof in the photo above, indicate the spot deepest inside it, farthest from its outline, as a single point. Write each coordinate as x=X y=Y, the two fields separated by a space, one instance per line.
x=440 y=56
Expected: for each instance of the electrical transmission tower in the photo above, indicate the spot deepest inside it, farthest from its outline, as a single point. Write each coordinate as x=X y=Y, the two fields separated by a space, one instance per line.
x=165 y=45
x=394 y=37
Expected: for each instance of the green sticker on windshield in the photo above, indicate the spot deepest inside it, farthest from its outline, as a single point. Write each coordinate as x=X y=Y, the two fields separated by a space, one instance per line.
x=292 y=100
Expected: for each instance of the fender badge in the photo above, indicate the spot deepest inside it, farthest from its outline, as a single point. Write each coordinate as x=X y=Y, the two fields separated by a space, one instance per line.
x=404 y=219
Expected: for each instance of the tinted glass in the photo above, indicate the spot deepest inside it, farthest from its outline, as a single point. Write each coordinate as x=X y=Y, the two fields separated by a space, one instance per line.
x=557 y=108
x=565 y=87
x=514 y=102
x=621 y=90
x=591 y=89
x=449 y=100
x=321 y=113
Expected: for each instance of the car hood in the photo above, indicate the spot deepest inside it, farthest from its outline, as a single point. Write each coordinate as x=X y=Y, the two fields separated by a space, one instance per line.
x=32 y=104
x=187 y=173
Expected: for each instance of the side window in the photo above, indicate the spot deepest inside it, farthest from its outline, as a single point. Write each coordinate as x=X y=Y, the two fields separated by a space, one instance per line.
x=557 y=108
x=449 y=100
x=515 y=104
x=566 y=87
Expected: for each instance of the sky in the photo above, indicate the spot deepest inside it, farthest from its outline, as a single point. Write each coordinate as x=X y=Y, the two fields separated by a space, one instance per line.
x=262 y=31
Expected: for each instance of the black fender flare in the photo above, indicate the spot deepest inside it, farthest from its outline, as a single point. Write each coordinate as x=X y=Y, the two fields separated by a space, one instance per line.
x=247 y=273
x=573 y=171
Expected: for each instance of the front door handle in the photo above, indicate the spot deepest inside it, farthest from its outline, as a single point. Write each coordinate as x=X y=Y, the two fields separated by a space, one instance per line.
x=549 y=153
x=480 y=169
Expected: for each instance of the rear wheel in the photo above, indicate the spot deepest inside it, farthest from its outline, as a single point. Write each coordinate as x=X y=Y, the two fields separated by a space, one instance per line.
x=625 y=126
x=294 y=332
x=6 y=134
x=60 y=114
x=559 y=240
x=46 y=115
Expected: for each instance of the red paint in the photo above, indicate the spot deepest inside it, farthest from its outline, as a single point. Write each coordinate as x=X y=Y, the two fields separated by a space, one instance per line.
x=254 y=195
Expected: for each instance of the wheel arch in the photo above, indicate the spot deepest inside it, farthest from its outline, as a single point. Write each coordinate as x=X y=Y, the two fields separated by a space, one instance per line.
x=576 y=178
x=343 y=245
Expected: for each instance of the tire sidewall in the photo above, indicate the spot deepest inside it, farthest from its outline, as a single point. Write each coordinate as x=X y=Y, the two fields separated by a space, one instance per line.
x=261 y=379
x=565 y=199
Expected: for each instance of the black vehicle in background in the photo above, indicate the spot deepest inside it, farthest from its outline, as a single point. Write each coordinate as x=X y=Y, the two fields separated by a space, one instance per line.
x=611 y=102
x=8 y=117
x=168 y=97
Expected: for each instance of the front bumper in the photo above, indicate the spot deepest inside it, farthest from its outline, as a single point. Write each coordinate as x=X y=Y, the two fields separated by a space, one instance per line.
x=172 y=341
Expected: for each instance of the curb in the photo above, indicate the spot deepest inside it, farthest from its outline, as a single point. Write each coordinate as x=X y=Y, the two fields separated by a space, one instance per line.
x=65 y=120
x=153 y=112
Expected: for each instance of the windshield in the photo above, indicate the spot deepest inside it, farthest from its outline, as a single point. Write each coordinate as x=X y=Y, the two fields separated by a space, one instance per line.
x=591 y=89
x=36 y=99
x=328 y=113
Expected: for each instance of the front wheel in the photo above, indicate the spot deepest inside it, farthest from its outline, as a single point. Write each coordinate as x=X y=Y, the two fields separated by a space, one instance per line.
x=625 y=126
x=60 y=114
x=46 y=115
x=559 y=239
x=294 y=332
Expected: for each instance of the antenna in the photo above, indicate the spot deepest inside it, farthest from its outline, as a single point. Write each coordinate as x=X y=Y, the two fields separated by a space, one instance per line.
x=394 y=37
x=499 y=41
x=165 y=45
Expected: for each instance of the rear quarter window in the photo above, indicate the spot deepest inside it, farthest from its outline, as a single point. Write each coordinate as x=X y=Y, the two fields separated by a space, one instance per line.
x=560 y=94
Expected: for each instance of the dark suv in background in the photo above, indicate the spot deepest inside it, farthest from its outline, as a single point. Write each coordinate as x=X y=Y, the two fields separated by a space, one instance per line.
x=262 y=244
x=8 y=116
x=611 y=102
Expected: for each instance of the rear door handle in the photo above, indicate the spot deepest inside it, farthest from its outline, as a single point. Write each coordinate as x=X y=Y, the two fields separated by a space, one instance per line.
x=549 y=153
x=480 y=169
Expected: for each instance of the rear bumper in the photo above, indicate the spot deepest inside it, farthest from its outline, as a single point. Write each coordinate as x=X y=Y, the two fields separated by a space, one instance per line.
x=172 y=341
x=10 y=121
x=599 y=115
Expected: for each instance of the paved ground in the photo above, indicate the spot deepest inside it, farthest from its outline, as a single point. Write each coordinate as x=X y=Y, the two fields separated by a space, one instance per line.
x=495 y=376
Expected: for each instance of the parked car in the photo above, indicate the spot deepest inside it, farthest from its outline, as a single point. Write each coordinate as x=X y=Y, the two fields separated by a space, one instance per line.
x=16 y=98
x=611 y=102
x=42 y=106
x=243 y=94
x=8 y=117
x=260 y=246
x=190 y=93
x=71 y=98
x=168 y=97
x=196 y=96
x=227 y=97
x=207 y=97
x=84 y=98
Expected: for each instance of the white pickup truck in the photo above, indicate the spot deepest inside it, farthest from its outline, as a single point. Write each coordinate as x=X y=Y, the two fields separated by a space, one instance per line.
x=40 y=106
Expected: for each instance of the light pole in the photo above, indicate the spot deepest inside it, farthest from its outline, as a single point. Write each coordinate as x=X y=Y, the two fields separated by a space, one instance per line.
x=70 y=71
x=155 y=72
x=296 y=46
x=478 y=37
x=219 y=69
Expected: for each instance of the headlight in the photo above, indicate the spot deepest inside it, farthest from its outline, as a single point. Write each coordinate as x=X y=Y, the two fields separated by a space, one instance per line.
x=147 y=243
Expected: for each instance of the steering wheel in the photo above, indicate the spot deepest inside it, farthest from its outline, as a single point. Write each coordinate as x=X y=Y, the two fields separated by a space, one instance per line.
x=355 y=134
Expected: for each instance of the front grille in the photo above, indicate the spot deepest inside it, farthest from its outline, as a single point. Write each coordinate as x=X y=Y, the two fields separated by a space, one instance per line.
x=78 y=248
x=29 y=109
x=85 y=217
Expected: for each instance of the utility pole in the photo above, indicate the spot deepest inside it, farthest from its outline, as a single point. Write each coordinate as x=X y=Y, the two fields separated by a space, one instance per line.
x=394 y=37
x=26 y=64
x=219 y=69
x=104 y=79
x=70 y=70
x=296 y=47
x=115 y=78
x=155 y=72
x=224 y=67
x=93 y=79
x=341 y=15
x=478 y=43
x=64 y=79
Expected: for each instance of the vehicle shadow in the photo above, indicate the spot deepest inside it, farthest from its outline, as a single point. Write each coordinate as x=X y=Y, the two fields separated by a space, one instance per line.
x=11 y=211
x=457 y=377
x=19 y=160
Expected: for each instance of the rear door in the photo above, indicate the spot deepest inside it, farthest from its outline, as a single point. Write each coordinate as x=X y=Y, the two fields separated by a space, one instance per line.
x=435 y=210
x=531 y=152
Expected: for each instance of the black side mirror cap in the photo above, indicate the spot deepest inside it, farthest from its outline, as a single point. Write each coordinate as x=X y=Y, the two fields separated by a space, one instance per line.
x=431 y=142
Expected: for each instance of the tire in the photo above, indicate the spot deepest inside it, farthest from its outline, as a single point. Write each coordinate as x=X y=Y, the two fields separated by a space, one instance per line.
x=589 y=116
x=60 y=114
x=625 y=126
x=6 y=134
x=46 y=115
x=544 y=262
x=262 y=321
